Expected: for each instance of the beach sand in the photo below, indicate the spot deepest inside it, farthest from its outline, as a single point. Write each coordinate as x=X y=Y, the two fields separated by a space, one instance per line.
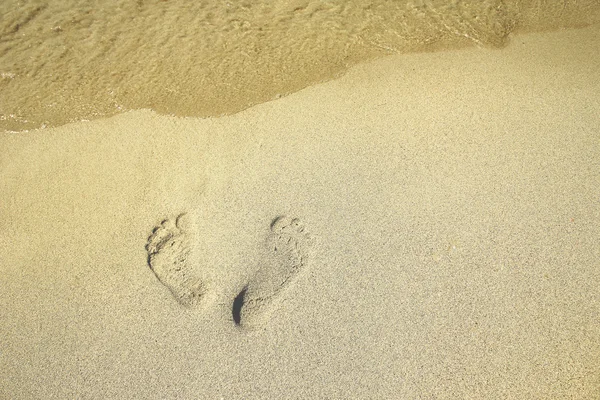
x=70 y=60
x=425 y=226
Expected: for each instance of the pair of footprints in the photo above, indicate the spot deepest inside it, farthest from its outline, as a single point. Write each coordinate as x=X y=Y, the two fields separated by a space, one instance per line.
x=170 y=257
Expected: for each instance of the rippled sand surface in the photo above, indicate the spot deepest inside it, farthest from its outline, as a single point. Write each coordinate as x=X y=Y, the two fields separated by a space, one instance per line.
x=69 y=60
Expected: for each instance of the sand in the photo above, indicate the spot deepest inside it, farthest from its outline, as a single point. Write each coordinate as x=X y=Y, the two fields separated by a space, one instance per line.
x=436 y=219
x=67 y=60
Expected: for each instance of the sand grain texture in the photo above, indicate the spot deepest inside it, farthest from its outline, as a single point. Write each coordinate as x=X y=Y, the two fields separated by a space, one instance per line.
x=455 y=199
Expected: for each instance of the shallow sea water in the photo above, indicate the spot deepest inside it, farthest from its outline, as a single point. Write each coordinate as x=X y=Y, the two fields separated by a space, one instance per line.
x=69 y=60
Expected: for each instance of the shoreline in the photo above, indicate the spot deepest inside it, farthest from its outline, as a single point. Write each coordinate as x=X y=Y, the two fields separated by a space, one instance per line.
x=66 y=62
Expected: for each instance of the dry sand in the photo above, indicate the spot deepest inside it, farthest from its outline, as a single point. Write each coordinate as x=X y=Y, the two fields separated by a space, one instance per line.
x=453 y=206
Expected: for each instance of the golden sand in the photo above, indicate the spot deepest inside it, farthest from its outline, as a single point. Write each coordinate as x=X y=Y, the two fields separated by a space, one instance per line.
x=426 y=226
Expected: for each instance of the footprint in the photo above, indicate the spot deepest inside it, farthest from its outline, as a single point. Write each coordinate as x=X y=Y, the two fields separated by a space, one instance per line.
x=286 y=255
x=169 y=257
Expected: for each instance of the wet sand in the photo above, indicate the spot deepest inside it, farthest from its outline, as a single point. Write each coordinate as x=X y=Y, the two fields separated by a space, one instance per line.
x=426 y=226
x=67 y=61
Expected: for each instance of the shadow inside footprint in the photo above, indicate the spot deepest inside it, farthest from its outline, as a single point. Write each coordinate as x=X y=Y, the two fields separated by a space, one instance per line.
x=238 y=303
